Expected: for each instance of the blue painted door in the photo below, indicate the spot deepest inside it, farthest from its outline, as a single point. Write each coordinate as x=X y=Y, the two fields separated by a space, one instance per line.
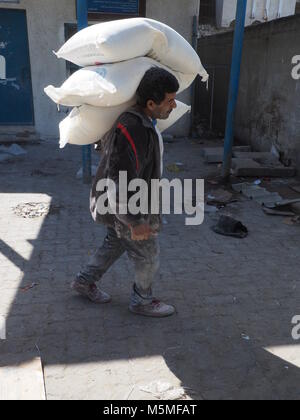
x=16 y=104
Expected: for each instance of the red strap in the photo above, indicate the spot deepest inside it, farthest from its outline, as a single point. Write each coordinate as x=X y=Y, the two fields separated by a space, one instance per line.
x=130 y=139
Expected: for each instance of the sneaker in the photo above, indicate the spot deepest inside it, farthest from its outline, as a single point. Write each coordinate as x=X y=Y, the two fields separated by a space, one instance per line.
x=90 y=291
x=155 y=309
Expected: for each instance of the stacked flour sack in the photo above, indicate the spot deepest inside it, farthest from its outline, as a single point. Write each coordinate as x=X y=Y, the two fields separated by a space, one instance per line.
x=115 y=56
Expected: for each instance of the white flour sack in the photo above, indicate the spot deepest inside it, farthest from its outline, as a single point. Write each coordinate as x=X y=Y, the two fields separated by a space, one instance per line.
x=122 y=40
x=111 y=42
x=88 y=124
x=176 y=114
x=110 y=84
x=180 y=55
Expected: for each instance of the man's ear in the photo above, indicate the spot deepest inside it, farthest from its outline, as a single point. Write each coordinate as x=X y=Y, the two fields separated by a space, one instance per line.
x=150 y=105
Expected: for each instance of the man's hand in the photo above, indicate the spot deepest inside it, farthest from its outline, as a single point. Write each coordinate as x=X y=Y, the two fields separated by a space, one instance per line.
x=142 y=232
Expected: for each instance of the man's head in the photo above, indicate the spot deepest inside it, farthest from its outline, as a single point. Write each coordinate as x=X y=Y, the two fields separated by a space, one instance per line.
x=157 y=92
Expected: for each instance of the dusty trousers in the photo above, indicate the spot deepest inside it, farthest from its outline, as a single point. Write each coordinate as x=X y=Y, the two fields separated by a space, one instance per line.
x=143 y=254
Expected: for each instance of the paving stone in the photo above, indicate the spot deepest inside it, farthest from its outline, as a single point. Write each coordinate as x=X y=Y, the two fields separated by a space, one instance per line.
x=5 y=157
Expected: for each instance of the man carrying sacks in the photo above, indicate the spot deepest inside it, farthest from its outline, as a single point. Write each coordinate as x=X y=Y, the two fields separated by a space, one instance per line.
x=132 y=145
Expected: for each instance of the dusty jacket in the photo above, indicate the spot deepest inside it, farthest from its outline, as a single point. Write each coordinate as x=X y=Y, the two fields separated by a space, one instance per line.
x=132 y=145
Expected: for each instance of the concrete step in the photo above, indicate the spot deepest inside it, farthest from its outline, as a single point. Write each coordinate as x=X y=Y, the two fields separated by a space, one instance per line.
x=267 y=156
x=216 y=154
x=21 y=137
x=251 y=168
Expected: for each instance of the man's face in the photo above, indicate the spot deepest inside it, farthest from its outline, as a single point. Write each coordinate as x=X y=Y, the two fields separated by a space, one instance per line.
x=162 y=111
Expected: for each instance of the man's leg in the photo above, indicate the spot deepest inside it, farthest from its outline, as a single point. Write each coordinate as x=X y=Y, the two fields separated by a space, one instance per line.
x=145 y=257
x=101 y=261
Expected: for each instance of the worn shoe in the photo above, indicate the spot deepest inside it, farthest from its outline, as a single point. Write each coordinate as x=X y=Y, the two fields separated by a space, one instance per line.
x=155 y=309
x=90 y=291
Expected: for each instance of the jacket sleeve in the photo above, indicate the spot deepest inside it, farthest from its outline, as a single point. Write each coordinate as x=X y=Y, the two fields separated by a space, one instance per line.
x=125 y=157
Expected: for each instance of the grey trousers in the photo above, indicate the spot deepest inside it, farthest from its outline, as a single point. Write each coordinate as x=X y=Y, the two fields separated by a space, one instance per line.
x=143 y=254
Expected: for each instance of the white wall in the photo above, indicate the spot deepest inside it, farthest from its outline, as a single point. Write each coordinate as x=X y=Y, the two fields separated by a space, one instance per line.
x=46 y=19
x=256 y=10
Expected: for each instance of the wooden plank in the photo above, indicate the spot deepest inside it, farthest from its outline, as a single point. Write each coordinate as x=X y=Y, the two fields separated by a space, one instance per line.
x=23 y=381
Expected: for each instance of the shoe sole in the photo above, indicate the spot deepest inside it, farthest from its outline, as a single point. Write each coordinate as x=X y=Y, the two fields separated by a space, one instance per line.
x=151 y=315
x=83 y=294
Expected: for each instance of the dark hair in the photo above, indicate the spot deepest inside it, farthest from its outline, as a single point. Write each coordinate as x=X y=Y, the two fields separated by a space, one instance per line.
x=154 y=86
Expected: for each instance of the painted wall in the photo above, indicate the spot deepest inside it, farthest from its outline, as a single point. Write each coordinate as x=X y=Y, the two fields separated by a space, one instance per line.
x=46 y=19
x=257 y=11
x=268 y=111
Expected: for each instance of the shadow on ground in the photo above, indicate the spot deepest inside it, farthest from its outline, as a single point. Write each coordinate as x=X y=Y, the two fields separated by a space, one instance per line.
x=234 y=299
